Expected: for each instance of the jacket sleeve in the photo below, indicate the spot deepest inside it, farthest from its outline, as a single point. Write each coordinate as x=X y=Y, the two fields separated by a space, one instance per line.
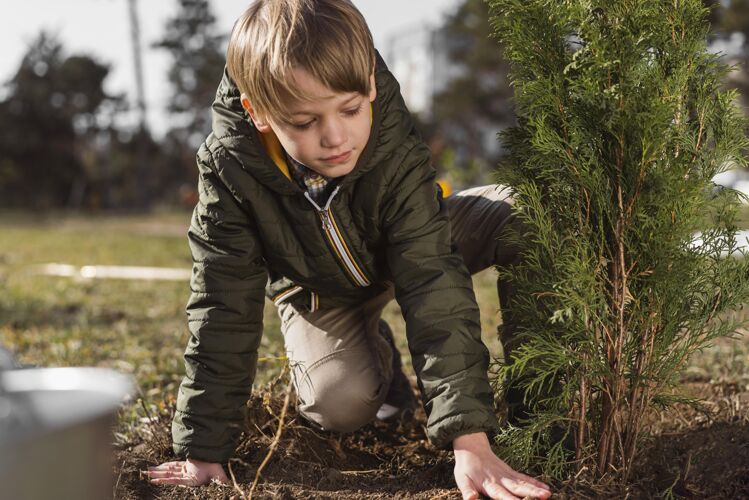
x=225 y=318
x=435 y=292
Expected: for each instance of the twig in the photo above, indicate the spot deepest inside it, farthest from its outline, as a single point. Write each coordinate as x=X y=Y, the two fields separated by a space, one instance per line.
x=319 y=465
x=272 y=384
x=156 y=431
x=236 y=486
x=260 y=431
x=585 y=467
x=276 y=439
x=119 y=476
x=357 y=472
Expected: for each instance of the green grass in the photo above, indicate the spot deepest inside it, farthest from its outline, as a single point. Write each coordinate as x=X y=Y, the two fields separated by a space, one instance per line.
x=139 y=327
x=133 y=326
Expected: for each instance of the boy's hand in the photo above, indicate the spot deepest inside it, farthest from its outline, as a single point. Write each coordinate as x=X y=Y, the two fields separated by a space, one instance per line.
x=188 y=473
x=479 y=471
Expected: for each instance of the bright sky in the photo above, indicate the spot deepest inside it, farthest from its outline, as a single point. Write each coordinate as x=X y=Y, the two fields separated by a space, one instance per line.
x=101 y=28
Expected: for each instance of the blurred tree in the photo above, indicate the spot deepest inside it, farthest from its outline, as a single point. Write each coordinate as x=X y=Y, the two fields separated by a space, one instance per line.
x=198 y=61
x=729 y=16
x=55 y=107
x=124 y=185
x=730 y=24
x=712 y=16
x=475 y=104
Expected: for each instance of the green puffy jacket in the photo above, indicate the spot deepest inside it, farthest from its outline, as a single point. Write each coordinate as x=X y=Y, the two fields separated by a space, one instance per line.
x=384 y=222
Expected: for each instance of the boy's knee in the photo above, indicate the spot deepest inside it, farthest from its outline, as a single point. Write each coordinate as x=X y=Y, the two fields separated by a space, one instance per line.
x=339 y=395
x=483 y=220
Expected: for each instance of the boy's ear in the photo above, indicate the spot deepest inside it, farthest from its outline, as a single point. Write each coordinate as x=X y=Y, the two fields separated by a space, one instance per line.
x=260 y=124
x=372 y=88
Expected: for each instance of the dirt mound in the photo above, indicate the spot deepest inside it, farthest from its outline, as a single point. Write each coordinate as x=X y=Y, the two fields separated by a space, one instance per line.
x=691 y=453
x=382 y=460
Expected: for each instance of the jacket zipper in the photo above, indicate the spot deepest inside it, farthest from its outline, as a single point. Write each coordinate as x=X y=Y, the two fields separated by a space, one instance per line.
x=336 y=239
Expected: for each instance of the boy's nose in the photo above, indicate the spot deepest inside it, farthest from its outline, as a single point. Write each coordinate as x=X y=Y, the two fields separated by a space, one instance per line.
x=334 y=134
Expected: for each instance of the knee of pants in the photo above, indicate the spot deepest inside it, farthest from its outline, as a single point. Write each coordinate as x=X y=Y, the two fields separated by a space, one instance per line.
x=339 y=393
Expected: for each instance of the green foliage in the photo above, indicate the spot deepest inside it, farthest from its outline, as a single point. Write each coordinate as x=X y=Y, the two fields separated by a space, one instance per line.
x=622 y=124
x=197 y=63
x=480 y=91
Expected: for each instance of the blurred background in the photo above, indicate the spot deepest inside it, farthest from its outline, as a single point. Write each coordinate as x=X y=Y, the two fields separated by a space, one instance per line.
x=104 y=102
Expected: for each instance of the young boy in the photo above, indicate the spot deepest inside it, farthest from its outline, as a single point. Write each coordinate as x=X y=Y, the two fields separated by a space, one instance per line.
x=315 y=189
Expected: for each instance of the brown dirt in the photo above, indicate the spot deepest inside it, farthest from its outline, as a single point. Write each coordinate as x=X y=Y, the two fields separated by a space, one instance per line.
x=701 y=452
x=690 y=453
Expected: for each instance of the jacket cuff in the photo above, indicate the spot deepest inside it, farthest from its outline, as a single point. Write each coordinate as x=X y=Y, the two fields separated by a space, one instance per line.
x=444 y=432
x=203 y=453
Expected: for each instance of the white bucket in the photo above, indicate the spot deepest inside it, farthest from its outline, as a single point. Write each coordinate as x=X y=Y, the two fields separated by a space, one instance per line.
x=56 y=432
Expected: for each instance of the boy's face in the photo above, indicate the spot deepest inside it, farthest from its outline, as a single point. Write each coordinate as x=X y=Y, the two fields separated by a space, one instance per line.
x=326 y=133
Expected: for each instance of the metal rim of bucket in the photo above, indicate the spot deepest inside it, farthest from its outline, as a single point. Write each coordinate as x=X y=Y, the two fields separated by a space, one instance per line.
x=104 y=381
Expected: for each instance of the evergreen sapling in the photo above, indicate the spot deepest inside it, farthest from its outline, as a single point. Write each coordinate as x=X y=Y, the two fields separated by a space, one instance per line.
x=622 y=124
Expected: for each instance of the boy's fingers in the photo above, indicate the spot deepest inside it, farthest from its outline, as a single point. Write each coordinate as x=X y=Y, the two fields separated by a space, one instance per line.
x=161 y=473
x=533 y=481
x=182 y=481
x=497 y=492
x=466 y=487
x=523 y=489
x=161 y=468
x=168 y=465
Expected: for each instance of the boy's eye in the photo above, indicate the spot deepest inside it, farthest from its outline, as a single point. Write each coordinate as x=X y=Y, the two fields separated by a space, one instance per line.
x=353 y=111
x=303 y=126
x=346 y=112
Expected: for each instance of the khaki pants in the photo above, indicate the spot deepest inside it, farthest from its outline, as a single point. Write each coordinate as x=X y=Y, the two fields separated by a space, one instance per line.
x=341 y=364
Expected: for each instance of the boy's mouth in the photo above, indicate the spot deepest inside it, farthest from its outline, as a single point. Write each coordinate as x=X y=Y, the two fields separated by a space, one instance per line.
x=341 y=158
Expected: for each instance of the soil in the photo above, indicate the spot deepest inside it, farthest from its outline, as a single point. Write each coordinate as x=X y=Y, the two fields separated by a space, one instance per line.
x=690 y=453
x=701 y=453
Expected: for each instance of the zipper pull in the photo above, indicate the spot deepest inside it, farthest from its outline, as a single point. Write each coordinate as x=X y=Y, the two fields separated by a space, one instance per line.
x=326 y=223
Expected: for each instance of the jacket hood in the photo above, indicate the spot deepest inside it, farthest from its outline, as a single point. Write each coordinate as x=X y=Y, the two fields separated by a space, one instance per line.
x=232 y=127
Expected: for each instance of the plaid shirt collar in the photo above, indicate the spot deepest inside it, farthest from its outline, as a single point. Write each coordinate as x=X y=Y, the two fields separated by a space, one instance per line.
x=309 y=180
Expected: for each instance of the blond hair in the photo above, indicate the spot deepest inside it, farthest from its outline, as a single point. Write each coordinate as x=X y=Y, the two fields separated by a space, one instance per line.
x=327 y=38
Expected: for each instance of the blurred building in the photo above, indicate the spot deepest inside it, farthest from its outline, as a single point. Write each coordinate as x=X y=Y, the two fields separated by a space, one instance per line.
x=417 y=56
